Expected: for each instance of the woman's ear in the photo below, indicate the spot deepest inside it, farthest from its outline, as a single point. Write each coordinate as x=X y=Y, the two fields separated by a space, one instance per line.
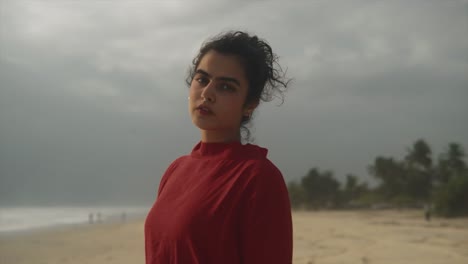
x=250 y=107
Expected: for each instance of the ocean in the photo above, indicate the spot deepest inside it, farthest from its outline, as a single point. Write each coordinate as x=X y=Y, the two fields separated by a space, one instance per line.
x=20 y=219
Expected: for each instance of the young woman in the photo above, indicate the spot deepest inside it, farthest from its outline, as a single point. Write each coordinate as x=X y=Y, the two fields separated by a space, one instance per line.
x=225 y=202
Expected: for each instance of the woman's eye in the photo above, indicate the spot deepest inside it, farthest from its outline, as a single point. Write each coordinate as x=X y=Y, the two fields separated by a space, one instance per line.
x=201 y=80
x=226 y=87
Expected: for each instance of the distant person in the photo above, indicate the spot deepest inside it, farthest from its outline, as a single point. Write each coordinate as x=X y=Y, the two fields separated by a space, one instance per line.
x=123 y=217
x=427 y=212
x=225 y=202
x=99 y=219
x=91 y=218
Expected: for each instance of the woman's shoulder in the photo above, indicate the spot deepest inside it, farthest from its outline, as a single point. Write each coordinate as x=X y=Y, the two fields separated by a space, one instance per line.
x=252 y=151
x=174 y=164
x=262 y=170
x=264 y=179
x=267 y=167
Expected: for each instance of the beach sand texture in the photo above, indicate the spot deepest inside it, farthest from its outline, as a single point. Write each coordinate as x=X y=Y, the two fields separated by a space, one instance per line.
x=319 y=237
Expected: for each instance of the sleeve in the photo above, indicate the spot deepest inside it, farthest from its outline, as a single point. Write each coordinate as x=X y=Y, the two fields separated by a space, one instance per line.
x=266 y=224
x=166 y=175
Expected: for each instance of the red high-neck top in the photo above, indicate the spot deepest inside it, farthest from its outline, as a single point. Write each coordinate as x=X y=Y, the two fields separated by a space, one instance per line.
x=224 y=203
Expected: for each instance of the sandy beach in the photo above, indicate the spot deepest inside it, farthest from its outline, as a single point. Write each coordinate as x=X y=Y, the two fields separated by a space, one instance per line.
x=378 y=237
x=319 y=237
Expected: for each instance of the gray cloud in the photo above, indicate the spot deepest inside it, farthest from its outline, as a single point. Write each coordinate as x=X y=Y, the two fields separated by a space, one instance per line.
x=93 y=99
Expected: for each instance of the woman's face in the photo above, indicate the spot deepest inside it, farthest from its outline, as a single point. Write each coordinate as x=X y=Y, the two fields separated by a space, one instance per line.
x=217 y=93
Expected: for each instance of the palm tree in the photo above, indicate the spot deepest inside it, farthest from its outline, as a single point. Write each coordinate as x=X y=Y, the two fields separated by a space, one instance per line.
x=419 y=155
x=391 y=175
x=419 y=170
x=451 y=162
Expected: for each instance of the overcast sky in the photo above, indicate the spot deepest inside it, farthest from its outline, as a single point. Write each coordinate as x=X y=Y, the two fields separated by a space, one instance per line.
x=93 y=104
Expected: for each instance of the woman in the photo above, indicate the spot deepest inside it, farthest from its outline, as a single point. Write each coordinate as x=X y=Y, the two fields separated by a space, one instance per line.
x=225 y=202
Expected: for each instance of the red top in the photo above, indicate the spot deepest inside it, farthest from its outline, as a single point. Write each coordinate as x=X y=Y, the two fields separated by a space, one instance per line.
x=223 y=203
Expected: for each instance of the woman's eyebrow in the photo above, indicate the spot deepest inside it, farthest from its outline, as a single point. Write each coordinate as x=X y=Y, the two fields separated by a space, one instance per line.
x=223 y=78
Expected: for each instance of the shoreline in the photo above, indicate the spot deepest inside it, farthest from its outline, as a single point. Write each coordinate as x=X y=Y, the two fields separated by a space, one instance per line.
x=374 y=236
x=20 y=220
x=45 y=230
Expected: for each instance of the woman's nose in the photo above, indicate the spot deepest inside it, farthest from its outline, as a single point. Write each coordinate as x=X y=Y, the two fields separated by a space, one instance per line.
x=208 y=93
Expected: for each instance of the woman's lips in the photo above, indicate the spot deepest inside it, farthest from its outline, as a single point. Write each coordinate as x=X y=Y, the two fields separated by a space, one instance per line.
x=204 y=110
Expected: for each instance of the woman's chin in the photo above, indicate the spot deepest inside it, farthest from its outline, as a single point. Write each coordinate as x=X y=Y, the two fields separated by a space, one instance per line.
x=204 y=125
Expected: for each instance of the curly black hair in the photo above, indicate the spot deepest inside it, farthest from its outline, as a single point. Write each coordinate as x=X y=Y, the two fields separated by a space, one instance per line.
x=266 y=79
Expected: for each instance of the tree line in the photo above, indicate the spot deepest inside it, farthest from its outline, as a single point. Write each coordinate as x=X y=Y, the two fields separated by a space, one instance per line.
x=416 y=180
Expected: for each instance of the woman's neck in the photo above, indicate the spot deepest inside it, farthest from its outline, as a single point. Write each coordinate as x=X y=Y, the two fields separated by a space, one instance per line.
x=211 y=136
